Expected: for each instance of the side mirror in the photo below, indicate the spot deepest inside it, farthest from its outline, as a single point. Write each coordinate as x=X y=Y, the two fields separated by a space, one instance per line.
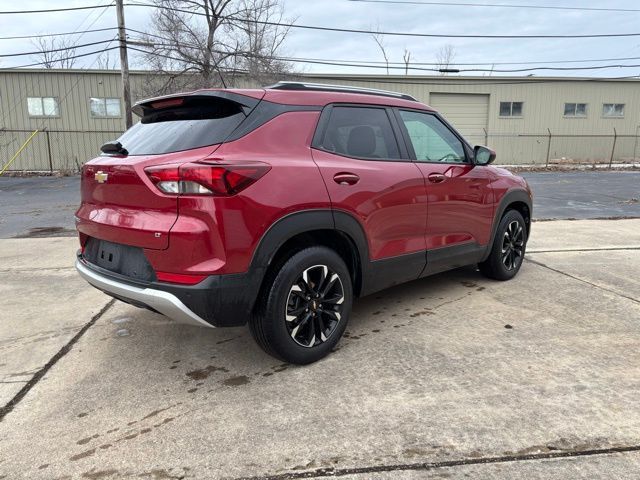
x=483 y=155
x=113 y=148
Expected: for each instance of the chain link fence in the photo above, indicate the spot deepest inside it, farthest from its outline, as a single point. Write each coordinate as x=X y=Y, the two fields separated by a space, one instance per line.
x=548 y=149
x=67 y=150
x=51 y=150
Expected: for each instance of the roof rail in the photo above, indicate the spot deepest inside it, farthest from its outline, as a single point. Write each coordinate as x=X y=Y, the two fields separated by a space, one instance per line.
x=337 y=88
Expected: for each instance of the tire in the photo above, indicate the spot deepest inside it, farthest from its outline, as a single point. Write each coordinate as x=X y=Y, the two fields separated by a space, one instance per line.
x=304 y=306
x=508 y=249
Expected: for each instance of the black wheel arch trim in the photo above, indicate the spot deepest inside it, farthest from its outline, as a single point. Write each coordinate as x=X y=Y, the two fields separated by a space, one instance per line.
x=303 y=221
x=286 y=228
x=518 y=195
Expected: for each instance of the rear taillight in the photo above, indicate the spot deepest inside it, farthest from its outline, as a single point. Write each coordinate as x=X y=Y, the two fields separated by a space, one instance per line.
x=206 y=179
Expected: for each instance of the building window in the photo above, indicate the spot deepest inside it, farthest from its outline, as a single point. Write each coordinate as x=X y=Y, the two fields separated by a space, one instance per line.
x=43 y=106
x=510 y=109
x=104 y=107
x=575 y=109
x=613 y=110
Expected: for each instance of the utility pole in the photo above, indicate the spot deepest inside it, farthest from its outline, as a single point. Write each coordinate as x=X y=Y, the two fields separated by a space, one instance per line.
x=124 y=64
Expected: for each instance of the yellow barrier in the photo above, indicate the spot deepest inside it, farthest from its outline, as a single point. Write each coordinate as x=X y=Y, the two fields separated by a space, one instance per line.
x=18 y=152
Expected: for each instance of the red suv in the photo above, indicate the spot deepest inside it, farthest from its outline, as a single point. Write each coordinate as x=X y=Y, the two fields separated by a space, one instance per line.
x=279 y=206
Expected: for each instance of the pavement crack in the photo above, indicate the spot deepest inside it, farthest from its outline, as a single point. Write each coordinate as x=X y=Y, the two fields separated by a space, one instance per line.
x=613 y=217
x=568 y=250
x=424 y=466
x=43 y=371
x=595 y=285
x=34 y=269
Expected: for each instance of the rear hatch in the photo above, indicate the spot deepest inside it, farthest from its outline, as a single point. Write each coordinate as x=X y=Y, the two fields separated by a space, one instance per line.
x=120 y=203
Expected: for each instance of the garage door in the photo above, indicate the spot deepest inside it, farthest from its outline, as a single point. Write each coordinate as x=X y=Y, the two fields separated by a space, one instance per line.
x=468 y=113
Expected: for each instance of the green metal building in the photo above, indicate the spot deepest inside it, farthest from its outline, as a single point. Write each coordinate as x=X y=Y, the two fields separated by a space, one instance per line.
x=528 y=120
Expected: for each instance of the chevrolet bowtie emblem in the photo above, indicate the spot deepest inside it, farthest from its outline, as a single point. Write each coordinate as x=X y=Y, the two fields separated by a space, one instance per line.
x=101 y=177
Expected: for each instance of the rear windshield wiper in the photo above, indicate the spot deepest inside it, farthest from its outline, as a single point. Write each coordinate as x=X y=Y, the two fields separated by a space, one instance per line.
x=114 y=148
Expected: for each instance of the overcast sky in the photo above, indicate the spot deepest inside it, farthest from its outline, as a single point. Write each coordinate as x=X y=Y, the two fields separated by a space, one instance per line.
x=385 y=17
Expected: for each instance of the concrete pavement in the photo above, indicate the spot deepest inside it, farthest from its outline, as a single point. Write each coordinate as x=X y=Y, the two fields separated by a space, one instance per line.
x=451 y=376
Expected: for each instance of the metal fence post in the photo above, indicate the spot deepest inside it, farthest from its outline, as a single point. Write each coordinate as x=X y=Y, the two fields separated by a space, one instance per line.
x=548 y=148
x=46 y=132
x=613 y=149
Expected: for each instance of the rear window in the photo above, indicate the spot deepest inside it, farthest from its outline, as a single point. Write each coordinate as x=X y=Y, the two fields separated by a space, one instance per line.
x=197 y=122
x=361 y=132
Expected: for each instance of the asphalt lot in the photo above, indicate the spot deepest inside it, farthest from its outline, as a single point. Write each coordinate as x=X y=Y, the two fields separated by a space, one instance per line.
x=454 y=376
x=44 y=206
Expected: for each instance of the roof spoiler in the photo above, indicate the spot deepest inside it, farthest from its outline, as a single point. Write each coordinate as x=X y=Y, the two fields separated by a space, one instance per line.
x=165 y=101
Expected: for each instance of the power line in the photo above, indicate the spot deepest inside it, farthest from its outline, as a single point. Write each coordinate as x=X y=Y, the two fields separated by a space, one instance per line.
x=394 y=67
x=50 y=10
x=399 y=34
x=22 y=37
x=71 y=57
x=500 y=5
x=426 y=81
x=37 y=52
x=381 y=62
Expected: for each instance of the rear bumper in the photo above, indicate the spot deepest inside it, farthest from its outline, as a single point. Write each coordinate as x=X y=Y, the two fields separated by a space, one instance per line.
x=217 y=301
x=158 y=300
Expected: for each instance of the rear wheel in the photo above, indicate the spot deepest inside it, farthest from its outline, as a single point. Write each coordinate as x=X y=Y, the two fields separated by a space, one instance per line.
x=304 y=307
x=507 y=251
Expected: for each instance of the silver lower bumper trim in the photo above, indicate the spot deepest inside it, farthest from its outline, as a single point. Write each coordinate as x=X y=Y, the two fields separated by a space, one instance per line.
x=163 y=302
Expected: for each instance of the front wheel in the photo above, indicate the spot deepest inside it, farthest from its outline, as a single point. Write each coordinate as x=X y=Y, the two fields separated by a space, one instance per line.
x=507 y=251
x=304 y=307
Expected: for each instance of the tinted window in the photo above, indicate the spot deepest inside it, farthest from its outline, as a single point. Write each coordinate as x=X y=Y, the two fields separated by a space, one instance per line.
x=432 y=141
x=360 y=132
x=196 y=123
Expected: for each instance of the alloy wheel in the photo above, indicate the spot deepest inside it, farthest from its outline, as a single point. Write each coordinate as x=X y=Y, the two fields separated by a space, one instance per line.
x=314 y=306
x=512 y=245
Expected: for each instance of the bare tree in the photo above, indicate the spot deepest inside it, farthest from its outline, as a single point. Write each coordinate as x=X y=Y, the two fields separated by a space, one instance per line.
x=407 y=59
x=208 y=43
x=379 y=39
x=261 y=39
x=55 y=52
x=104 y=61
x=445 y=57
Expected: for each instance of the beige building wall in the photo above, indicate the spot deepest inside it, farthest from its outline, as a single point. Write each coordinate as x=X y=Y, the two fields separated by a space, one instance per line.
x=69 y=139
x=74 y=136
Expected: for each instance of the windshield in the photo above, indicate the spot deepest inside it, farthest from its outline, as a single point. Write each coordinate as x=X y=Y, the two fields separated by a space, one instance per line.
x=195 y=123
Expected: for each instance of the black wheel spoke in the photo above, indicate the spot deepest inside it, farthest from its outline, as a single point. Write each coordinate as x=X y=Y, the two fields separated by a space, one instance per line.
x=319 y=322
x=300 y=294
x=311 y=332
x=297 y=311
x=330 y=283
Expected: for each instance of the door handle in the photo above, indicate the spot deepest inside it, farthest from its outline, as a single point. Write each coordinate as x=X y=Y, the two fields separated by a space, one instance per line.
x=346 y=178
x=436 y=177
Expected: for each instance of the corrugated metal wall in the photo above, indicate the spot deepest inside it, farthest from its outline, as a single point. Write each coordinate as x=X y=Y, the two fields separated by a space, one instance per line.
x=75 y=136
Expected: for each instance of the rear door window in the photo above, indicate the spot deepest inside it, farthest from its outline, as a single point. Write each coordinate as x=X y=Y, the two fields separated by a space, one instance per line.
x=172 y=127
x=360 y=132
